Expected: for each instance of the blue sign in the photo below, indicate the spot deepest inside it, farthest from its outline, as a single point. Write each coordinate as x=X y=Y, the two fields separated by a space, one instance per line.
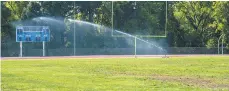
x=23 y=35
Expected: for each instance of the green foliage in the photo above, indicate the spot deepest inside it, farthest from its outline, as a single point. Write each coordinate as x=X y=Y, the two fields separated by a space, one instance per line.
x=189 y=24
x=212 y=43
x=144 y=18
x=16 y=8
x=221 y=23
x=194 y=19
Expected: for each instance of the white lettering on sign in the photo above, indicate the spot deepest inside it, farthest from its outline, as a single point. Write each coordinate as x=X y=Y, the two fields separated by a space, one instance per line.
x=28 y=35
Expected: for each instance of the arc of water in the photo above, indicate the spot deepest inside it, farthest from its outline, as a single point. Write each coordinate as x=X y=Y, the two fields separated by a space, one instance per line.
x=138 y=39
x=96 y=25
x=92 y=24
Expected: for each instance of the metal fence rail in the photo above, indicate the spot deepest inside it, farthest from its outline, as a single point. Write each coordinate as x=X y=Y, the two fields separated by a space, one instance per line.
x=111 y=51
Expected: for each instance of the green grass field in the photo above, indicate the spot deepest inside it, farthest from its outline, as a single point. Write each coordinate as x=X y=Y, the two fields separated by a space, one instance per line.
x=118 y=74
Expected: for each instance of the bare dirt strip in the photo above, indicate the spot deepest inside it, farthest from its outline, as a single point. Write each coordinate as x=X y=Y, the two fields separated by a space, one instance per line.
x=189 y=81
x=113 y=56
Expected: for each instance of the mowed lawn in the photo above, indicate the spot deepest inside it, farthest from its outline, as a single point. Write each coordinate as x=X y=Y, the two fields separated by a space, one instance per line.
x=116 y=74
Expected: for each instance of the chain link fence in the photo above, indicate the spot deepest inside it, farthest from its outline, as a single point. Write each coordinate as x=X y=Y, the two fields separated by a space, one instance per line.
x=112 y=51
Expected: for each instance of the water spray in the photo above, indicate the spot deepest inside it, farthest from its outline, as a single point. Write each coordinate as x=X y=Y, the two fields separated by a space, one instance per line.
x=135 y=37
x=60 y=23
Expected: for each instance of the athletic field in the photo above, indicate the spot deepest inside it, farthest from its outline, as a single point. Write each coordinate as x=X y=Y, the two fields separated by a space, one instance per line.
x=116 y=73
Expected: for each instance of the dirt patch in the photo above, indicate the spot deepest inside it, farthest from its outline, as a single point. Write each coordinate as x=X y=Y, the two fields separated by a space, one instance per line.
x=189 y=81
x=185 y=80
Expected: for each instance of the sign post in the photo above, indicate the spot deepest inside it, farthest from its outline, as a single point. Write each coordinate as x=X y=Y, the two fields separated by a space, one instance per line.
x=20 y=49
x=43 y=48
x=221 y=37
x=135 y=45
x=222 y=45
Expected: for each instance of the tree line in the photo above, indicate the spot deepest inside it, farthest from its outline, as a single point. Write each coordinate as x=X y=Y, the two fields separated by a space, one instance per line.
x=186 y=24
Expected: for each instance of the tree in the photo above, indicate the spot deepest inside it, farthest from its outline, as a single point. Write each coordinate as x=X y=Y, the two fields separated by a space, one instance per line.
x=194 y=19
x=141 y=18
x=221 y=20
x=176 y=35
